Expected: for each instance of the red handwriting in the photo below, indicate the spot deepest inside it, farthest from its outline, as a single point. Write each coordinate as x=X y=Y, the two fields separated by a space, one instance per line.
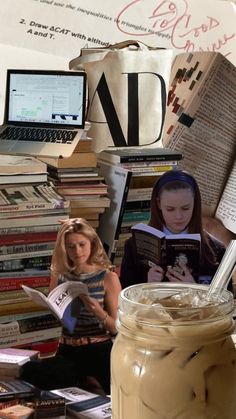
x=172 y=20
x=211 y=23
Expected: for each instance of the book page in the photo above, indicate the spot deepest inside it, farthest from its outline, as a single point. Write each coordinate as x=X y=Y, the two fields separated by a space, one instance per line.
x=206 y=133
x=226 y=211
x=59 y=299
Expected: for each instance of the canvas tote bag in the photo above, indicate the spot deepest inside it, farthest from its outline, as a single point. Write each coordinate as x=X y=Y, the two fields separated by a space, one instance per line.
x=127 y=93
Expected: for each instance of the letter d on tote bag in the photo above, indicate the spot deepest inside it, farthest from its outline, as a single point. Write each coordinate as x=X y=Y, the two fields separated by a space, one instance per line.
x=128 y=84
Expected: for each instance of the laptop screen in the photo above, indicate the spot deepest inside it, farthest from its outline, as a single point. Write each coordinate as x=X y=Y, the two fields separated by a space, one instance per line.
x=52 y=98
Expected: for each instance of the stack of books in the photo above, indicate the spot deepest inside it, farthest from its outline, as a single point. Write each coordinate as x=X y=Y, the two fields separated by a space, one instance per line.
x=77 y=179
x=22 y=400
x=21 y=170
x=29 y=221
x=131 y=174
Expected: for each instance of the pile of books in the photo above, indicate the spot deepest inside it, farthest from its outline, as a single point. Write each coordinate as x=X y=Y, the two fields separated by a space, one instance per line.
x=131 y=174
x=29 y=221
x=21 y=400
x=77 y=179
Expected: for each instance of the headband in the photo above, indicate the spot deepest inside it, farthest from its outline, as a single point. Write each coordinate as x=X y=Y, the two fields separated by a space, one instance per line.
x=172 y=176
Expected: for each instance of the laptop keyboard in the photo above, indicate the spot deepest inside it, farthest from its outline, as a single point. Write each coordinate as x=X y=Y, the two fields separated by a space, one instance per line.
x=41 y=135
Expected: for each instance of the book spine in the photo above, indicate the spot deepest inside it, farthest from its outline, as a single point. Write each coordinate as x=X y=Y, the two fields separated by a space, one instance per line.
x=26 y=255
x=10 y=372
x=148 y=173
x=21 y=249
x=23 y=326
x=12 y=296
x=151 y=169
x=139 y=194
x=23 y=264
x=18 y=316
x=28 y=238
x=24 y=275
x=30 y=220
x=134 y=216
x=138 y=205
x=31 y=198
x=10 y=284
x=46 y=347
x=28 y=229
x=5 y=215
x=147 y=158
x=150 y=163
x=29 y=337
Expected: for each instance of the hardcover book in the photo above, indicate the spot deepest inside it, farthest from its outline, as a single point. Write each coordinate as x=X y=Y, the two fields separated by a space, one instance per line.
x=21 y=164
x=63 y=301
x=139 y=154
x=76 y=160
x=47 y=405
x=153 y=247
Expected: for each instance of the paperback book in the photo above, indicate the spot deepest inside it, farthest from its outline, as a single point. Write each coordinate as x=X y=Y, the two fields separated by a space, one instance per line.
x=12 y=359
x=63 y=301
x=153 y=247
x=13 y=388
x=84 y=404
x=139 y=154
x=47 y=405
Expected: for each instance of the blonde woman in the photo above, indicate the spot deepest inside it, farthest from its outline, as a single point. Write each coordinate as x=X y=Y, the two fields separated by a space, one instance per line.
x=79 y=256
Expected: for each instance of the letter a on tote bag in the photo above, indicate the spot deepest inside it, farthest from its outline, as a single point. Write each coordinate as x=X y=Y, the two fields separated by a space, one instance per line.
x=128 y=84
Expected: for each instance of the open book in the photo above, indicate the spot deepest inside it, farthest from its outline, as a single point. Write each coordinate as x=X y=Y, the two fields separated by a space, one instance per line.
x=153 y=247
x=63 y=301
x=200 y=123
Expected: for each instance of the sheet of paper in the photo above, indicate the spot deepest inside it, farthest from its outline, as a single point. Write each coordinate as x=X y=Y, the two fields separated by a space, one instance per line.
x=60 y=28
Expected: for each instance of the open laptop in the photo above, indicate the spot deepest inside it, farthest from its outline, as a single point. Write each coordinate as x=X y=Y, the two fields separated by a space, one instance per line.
x=44 y=112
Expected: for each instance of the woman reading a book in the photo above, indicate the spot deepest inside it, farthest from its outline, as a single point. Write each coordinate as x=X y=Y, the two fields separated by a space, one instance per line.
x=79 y=256
x=175 y=209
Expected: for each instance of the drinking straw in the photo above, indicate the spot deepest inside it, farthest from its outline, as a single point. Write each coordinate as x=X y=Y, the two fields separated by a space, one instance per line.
x=224 y=272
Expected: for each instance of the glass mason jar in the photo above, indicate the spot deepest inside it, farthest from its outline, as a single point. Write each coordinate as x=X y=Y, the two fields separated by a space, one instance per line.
x=176 y=363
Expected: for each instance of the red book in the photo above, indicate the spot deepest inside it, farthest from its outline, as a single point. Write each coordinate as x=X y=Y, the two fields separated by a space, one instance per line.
x=10 y=284
x=24 y=238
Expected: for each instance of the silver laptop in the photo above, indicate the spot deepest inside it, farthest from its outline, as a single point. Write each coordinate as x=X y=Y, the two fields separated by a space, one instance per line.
x=44 y=112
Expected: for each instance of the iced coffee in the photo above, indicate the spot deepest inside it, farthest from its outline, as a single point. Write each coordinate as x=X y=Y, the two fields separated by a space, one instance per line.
x=173 y=357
